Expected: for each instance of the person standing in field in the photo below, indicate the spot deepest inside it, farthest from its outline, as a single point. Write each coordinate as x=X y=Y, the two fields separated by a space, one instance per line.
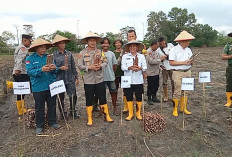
x=227 y=55
x=181 y=62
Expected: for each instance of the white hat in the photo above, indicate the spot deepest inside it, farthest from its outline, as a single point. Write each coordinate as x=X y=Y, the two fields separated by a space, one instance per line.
x=184 y=35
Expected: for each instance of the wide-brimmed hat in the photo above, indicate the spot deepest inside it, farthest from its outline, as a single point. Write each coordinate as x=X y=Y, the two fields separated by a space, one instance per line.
x=39 y=42
x=184 y=35
x=230 y=34
x=91 y=35
x=59 y=38
x=127 y=45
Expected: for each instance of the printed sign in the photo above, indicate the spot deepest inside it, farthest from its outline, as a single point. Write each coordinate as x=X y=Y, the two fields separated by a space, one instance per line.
x=125 y=81
x=21 y=88
x=57 y=87
x=204 y=77
x=187 y=84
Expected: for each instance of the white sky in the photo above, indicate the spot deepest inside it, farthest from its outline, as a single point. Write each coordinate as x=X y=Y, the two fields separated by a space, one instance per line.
x=103 y=16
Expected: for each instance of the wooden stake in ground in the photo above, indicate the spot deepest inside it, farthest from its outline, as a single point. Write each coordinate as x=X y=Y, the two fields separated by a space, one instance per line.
x=143 y=112
x=204 y=107
x=161 y=102
x=23 y=105
x=72 y=108
x=183 y=111
x=67 y=125
x=122 y=104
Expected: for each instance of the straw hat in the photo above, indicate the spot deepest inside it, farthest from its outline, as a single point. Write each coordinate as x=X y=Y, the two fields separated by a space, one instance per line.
x=39 y=42
x=91 y=35
x=59 y=38
x=230 y=34
x=184 y=35
x=127 y=45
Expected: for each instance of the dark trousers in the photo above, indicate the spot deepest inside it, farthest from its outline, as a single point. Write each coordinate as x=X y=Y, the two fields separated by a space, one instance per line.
x=95 y=89
x=21 y=78
x=152 y=85
x=40 y=99
x=229 y=78
x=71 y=92
x=137 y=89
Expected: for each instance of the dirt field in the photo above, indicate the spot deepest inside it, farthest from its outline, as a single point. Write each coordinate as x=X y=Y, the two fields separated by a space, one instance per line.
x=201 y=137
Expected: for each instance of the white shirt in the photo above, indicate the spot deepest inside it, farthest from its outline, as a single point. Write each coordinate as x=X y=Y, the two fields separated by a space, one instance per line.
x=177 y=53
x=127 y=61
x=167 y=49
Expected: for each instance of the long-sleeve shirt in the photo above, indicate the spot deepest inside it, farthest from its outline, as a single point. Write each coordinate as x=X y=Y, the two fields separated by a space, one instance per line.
x=20 y=55
x=127 y=61
x=87 y=58
x=153 y=62
x=70 y=75
x=40 y=80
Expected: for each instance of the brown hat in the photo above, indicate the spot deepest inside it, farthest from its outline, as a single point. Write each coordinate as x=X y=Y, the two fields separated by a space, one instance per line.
x=230 y=34
x=59 y=38
x=127 y=45
x=184 y=35
x=39 y=42
x=91 y=35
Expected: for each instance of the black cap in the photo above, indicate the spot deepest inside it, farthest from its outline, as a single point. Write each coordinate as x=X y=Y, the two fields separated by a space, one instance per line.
x=230 y=34
x=26 y=36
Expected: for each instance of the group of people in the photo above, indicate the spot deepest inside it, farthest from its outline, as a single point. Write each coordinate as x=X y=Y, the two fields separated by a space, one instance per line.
x=101 y=69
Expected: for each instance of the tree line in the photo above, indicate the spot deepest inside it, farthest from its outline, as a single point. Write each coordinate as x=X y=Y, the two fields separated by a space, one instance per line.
x=168 y=25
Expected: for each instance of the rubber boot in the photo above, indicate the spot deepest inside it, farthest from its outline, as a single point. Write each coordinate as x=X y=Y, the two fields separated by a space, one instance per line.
x=20 y=107
x=149 y=101
x=229 y=97
x=114 y=99
x=183 y=105
x=175 y=106
x=131 y=110
x=9 y=84
x=138 y=110
x=105 y=111
x=165 y=88
x=125 y=110
x=89 y=110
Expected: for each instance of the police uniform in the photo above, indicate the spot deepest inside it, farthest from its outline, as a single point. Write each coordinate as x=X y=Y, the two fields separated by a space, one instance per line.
x=20 y=55
x=180 y=54
x=93 y=80
x=228 y=51
x=136 y=79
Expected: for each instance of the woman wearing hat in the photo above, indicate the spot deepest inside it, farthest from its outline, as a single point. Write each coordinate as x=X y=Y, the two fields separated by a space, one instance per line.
x=42 y=75
x=134 y=65
x=227 y=55
x=91 y=61
x=180 y=61
x=66 y=72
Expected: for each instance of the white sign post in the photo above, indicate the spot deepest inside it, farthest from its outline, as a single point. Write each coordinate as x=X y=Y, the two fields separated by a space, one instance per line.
x=21 y=88
x=204 y=77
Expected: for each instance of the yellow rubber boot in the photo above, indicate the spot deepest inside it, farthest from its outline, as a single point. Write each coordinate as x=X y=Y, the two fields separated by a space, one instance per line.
x=176 y=102
x=105 y=111
x=183 y=105
x=125 y=110
x=229 y=97
x=138 y=110
x=89 y=110
x=9 y=84
x=131 y=110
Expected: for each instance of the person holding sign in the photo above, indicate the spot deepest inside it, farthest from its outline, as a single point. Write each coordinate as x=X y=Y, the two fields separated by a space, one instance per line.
x=19 y=71
x=67 y=72
x=153 y=68
x=42 y=75
x=180 y=61
x=227 y=55
x=134 y=65
x=91 y=60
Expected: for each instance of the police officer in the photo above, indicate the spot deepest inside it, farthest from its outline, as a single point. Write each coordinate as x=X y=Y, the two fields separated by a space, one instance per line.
x=67 y=72
x=227 y=55
x=180 y=61
x=42 y=73
x=19 y=71
x=92 y=60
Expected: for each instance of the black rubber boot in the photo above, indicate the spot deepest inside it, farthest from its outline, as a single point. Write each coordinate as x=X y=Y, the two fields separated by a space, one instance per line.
x=149 y=101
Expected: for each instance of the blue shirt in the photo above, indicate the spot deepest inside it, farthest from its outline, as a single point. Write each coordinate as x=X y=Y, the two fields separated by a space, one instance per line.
x=40 y=80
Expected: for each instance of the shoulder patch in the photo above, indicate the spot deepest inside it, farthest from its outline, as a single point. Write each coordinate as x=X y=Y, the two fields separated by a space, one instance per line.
x=79 y=55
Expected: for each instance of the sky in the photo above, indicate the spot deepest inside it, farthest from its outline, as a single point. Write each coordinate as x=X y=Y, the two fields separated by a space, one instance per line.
x=101 y=16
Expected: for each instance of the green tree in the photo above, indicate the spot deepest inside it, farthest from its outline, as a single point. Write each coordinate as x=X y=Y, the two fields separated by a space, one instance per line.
x=8 y=37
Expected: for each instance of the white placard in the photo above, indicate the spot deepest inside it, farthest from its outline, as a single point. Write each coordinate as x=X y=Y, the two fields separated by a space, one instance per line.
x=204 y=77
x=21 y=88
x=187 y=84
x=57 y=87
x=125 y=81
